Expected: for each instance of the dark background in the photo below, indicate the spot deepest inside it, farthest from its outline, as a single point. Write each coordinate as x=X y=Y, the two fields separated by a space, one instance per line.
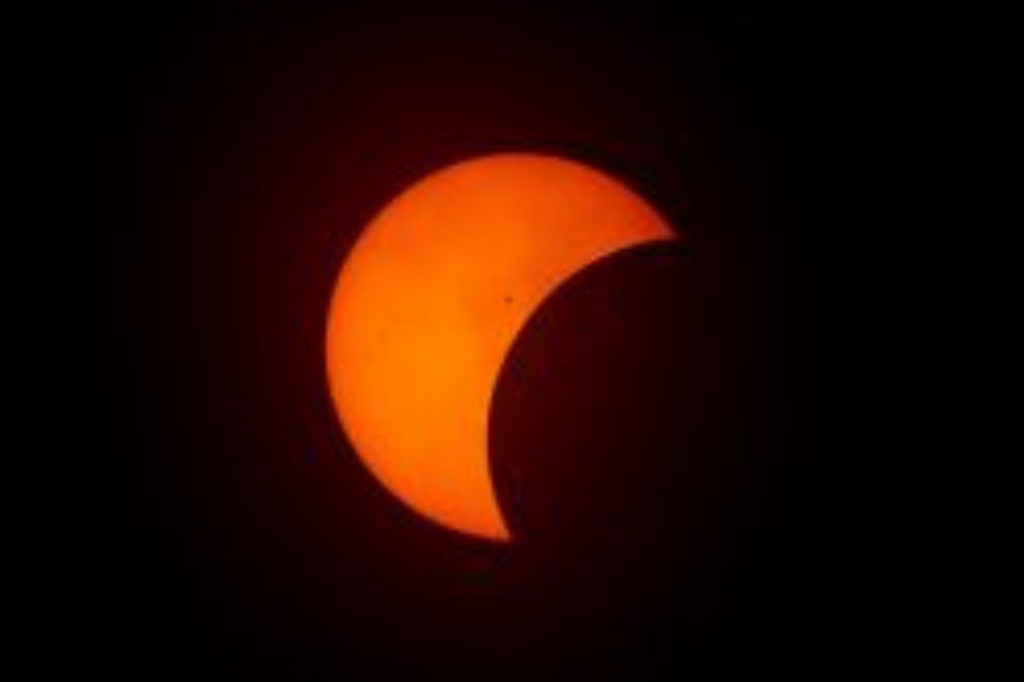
x=678 y=436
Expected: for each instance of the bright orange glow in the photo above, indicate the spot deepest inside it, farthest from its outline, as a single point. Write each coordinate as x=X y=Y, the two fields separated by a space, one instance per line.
x=430 y=301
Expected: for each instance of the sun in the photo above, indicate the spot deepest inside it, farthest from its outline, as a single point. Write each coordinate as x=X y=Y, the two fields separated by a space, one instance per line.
x=430 y=300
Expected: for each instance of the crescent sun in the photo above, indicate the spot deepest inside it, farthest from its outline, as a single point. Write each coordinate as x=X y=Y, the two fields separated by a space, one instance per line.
x=430 y=300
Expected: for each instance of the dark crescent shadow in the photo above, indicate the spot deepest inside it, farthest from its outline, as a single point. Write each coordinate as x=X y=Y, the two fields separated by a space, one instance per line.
x=640 y=433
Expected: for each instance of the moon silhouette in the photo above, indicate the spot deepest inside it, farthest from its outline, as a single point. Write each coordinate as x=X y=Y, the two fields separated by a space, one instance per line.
x=430 y=300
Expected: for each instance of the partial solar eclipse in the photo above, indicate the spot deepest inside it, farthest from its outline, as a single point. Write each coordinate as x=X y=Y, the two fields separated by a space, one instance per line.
x=430 y=300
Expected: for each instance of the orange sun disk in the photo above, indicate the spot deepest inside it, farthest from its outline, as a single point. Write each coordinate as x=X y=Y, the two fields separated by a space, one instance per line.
x=430 y=301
